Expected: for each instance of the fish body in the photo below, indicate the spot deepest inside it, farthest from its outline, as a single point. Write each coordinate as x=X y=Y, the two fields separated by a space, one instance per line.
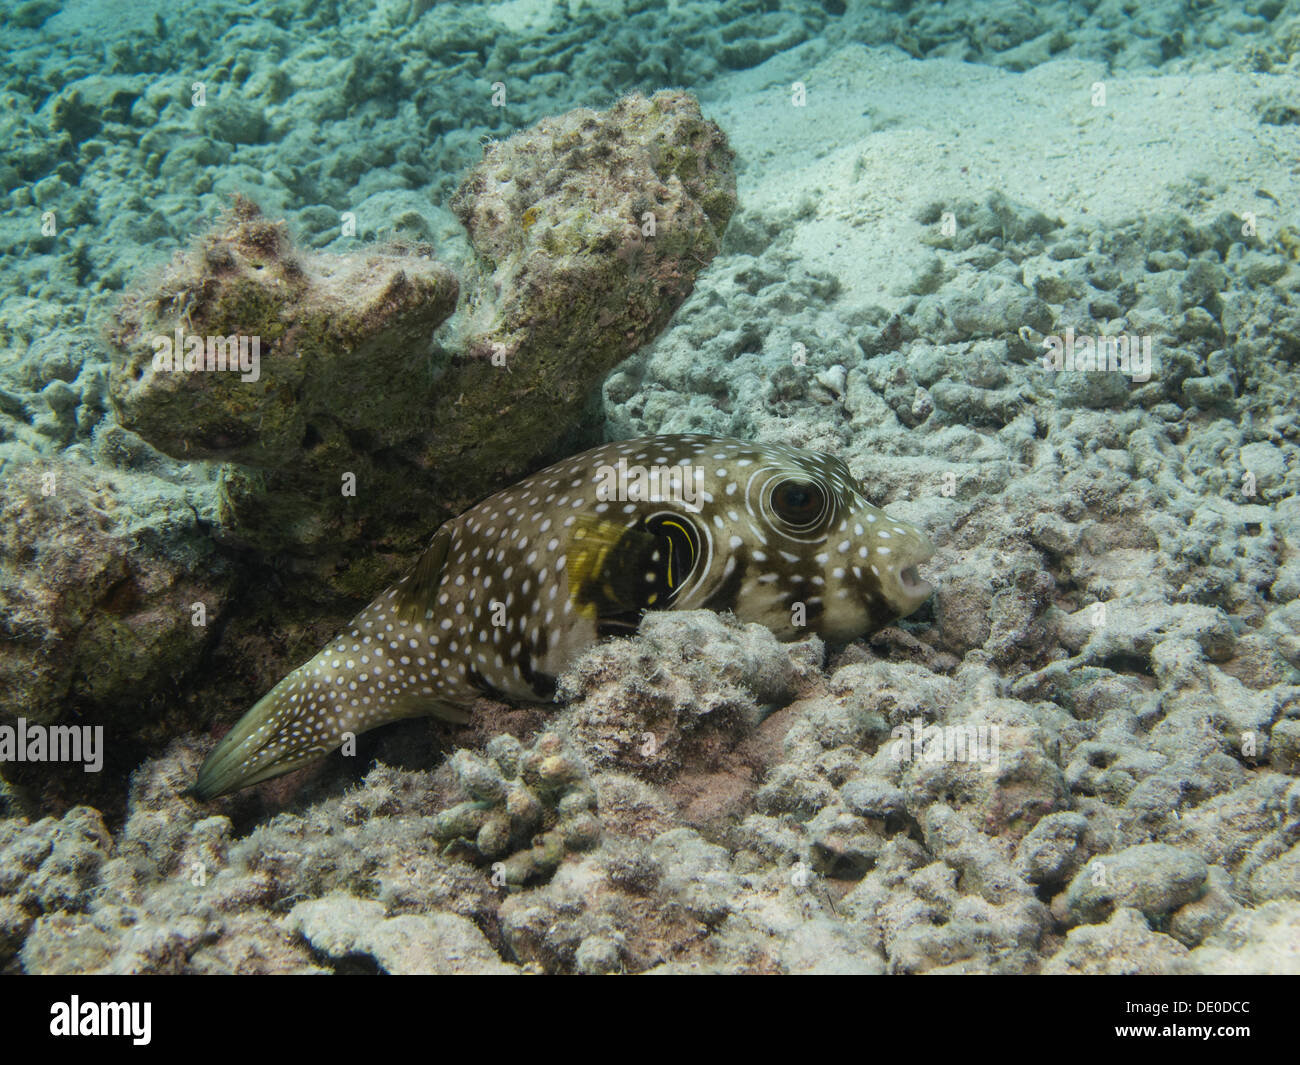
x=512 y=590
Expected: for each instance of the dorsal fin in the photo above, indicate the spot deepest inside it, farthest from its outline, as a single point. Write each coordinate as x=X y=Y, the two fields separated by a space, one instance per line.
x=417 y=594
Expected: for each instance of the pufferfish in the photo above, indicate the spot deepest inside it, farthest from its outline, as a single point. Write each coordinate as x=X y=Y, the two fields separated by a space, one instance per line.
x=509 y=593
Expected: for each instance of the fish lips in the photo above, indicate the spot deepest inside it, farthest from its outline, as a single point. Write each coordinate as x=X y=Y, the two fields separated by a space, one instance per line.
x=913 y=589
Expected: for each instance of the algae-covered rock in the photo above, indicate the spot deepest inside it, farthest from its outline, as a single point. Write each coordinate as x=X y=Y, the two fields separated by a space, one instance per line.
x=1054 y=849
x=589 y=229
x=354 y=427
x=965 y=910
x=179 y=889
x=1123 y=946
x=341 y=927
x=687 y=687
x=294 y=351
x=1153 y=878
x=106 y=591
x=1263 y=941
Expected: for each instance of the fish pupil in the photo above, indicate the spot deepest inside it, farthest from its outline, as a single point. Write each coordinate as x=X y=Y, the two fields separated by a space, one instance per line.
x=797 y=502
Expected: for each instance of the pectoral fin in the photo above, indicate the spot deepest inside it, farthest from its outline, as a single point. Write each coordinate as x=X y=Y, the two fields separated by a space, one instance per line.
x=604 y=558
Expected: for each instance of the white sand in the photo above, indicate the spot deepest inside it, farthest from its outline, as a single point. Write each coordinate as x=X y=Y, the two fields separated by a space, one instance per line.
x=937 y=130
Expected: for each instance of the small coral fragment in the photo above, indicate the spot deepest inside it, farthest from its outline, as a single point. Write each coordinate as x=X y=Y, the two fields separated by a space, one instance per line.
x=527 y=808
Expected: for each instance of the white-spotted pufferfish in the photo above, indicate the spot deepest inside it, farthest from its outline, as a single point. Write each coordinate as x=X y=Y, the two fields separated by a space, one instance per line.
x=510 y=592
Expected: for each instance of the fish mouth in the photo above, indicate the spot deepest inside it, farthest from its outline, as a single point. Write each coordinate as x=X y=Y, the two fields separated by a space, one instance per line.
x=912 y=583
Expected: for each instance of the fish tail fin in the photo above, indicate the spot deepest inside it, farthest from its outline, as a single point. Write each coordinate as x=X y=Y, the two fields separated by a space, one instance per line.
x=268 y=740
x=296 y=722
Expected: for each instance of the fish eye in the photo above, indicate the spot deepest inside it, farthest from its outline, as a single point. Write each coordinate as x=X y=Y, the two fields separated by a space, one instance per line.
x=799 y=502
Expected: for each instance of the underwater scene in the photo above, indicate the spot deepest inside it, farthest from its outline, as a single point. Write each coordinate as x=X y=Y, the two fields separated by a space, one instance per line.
x=613 y=487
